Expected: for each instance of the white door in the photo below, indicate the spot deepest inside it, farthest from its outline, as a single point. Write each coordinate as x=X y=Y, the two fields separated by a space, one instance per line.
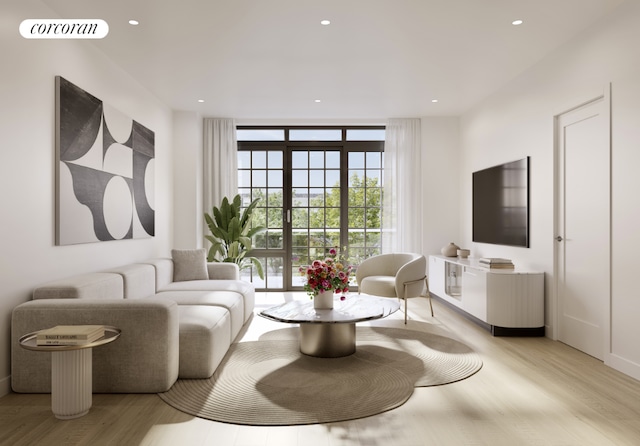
x=582 y=227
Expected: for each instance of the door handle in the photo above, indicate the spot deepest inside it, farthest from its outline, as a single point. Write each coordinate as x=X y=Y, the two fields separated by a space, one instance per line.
x=559 y=238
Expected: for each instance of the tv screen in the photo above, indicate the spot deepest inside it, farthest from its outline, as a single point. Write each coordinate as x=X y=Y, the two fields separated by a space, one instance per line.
x=501 y=204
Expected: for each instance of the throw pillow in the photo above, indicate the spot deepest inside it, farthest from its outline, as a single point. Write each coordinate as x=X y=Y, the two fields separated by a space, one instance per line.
x=189 y=264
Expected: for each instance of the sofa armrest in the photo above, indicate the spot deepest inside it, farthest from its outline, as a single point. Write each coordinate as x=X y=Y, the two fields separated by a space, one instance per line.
x=223 y=271
x=144 y=359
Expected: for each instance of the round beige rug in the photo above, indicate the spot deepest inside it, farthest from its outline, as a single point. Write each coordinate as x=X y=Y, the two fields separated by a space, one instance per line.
x=269 y=382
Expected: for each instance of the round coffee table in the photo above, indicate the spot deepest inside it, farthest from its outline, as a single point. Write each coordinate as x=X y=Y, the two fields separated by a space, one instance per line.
x=71 y=373
x=331 y=333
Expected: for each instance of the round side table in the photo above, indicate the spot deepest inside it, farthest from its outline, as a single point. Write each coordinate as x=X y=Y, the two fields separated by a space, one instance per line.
x=71 y=373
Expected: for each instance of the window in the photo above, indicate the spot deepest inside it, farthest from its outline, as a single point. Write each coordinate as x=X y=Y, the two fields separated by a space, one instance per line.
x=319 y=187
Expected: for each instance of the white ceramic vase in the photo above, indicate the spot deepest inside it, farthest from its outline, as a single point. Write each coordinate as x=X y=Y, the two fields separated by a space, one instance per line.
x=323 y=300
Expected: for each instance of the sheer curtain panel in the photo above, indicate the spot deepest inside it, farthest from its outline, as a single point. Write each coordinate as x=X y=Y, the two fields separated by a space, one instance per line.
x=220 y=161
x=403 y=197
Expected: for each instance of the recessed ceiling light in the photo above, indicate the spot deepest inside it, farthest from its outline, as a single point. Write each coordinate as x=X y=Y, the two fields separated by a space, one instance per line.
x=434 y=100
x=133 y=22
x=325 y=22
x=200 y=100
x=517 y=22
x=318 y=100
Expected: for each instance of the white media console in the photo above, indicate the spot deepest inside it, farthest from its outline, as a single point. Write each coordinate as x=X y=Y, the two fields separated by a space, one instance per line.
x=510 y=302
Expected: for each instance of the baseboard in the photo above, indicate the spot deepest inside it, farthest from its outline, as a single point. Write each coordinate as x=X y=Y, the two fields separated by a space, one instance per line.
x=494 y=329
x=5 y=386
x=623 y=365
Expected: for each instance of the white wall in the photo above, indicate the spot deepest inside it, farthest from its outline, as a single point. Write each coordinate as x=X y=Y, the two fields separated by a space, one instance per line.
x=440 y=182
x=188 y=216
x=518 y=121
x=27 y=115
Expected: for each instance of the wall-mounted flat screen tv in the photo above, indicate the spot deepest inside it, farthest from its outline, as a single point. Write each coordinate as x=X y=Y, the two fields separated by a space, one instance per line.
x=501 y=204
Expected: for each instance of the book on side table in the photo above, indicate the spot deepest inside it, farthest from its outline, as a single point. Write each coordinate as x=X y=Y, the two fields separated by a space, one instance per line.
x=70 y=335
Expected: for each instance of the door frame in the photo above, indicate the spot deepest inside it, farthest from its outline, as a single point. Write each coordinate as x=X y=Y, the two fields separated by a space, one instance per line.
x=558 y=162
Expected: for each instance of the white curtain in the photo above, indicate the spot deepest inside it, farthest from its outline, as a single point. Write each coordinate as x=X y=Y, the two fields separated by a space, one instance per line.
x=220 y=160
x=403 y=197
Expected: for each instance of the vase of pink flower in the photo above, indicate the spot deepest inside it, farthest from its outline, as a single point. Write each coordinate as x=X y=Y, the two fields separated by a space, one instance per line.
x=325 y=278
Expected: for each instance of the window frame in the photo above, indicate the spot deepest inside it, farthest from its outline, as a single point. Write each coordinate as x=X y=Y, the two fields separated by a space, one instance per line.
x=287 y=147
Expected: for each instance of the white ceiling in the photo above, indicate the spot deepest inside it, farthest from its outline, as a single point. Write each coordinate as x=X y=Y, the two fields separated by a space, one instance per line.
x=271 y=59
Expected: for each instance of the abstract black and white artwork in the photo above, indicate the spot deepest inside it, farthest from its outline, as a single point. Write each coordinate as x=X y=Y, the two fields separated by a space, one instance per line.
x=105 y=171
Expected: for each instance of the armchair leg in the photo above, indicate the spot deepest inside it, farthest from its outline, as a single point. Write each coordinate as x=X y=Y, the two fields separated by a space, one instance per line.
x=426 y=284
x=428 y=296
x=405 y=309
x=430 y=305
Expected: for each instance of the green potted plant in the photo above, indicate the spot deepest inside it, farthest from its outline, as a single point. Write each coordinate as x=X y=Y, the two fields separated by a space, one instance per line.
x=232 y=233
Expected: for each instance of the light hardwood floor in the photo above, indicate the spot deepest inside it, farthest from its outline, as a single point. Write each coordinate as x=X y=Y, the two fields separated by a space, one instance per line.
x=530 y=391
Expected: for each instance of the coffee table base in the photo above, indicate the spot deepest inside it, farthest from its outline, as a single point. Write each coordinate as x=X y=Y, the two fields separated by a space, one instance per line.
x=328 y=340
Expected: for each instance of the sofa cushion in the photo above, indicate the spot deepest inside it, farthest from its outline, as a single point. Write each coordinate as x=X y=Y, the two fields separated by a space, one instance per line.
x=204 y=339
x=164 y=271
x=189 y=264
x=139 y=280
x=231 y=301
x=83 y=286
x=246 y=289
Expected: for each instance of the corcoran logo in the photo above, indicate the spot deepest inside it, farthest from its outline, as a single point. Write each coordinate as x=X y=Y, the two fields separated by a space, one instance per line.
x=64 y=29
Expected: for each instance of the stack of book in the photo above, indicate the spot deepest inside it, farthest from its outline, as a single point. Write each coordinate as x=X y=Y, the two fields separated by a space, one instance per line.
x=496 y=263
x=70 y=335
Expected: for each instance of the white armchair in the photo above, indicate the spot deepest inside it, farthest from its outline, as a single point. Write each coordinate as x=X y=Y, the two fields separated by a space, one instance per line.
x=401 y=275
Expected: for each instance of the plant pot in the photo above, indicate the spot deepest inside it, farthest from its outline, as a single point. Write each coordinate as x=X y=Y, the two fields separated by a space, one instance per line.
x=323 y=300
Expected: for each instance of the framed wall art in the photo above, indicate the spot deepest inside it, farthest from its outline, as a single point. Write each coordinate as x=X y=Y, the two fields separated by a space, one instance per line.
x=105 y=164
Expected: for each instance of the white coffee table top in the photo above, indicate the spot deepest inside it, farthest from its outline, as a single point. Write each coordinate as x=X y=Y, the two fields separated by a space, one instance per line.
x=355 y=308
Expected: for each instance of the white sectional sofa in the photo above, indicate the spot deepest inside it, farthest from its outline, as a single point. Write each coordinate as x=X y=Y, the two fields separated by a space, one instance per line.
x=177 y=316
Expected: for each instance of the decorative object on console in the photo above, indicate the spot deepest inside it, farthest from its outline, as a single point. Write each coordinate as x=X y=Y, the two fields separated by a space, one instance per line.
x=104 y=171
x=451 y=250
x=463 y=253
x=330 y=275
x=232 y=234
x=496 y=263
